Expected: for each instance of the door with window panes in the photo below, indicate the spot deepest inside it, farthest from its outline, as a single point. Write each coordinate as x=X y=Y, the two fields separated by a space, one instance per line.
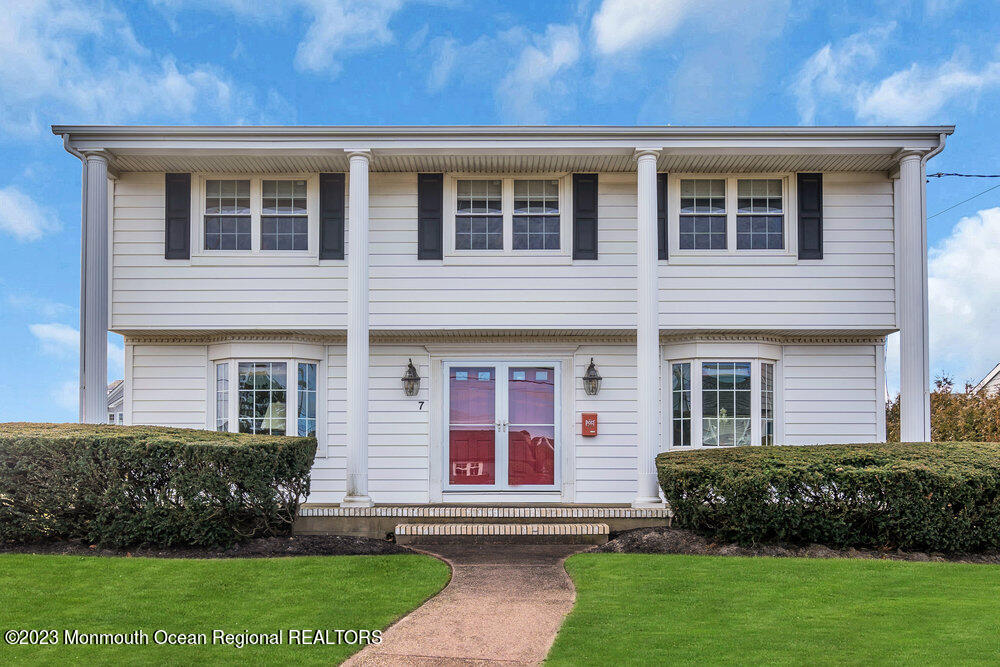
x=502 y=425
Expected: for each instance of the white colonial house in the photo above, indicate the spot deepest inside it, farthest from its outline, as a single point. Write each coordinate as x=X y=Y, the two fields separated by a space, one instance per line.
x=729 y=286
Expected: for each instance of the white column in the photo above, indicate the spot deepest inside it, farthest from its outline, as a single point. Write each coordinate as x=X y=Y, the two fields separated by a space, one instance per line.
x=357 y=334
x=914 y=371
x=94 y=293
x=647 y=334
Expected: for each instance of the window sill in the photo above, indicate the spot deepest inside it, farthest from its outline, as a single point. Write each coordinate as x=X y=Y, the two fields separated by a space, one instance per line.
x=515 y=258
x=728 y=258
x=240 y=258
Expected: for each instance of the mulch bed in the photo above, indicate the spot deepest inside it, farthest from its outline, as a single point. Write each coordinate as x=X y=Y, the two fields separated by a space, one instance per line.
x=265 y=547
x=674 y=541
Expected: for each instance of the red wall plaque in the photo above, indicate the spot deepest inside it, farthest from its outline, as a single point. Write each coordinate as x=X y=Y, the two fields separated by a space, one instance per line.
x=589 y=420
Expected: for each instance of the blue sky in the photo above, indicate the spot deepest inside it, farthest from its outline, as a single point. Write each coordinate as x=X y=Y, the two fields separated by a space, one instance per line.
x=623 y=62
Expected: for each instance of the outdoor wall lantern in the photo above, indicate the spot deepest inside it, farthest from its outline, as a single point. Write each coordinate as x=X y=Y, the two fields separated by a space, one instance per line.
x=592 y=380
x=411 y=380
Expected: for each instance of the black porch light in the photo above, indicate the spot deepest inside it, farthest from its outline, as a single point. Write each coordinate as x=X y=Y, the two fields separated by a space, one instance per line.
x=411 y=380
x=592 y=380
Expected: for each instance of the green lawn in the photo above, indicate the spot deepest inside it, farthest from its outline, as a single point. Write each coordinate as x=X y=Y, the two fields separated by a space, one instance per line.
x=651 y=609
x=93 y=594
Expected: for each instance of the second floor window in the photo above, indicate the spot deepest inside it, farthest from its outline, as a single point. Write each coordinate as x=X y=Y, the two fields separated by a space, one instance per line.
x=703 y=214
x=227 y=215
x=508 y=214
x=284 y=222
x=720 y=215
x=536 y=215
x=760 y=216
x=479 y=215
x=257 y=214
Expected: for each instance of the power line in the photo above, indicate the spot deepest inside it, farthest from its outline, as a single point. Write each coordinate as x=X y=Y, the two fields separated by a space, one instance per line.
x=965 y=200
x=941 y=174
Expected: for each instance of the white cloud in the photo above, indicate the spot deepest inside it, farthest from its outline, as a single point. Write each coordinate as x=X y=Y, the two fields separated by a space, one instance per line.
x=335 y=27
x=24 y=218
x=530 y=68
x=63 y=341
x=84 y=59
x=624 y=25
x=918 y=94
x=831 y=73
x=964 y=305
x=842 y=76
x=47 y=308
x=529 y=88
x=66 y=395
x=57 y=339
x=343 y=25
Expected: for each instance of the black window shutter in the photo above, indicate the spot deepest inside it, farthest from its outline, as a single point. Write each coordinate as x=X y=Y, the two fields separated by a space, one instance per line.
x=661 y=214
x=430 y=212
x=331 y=216
x=810 y=196
x=177 y=217
x=584 y=216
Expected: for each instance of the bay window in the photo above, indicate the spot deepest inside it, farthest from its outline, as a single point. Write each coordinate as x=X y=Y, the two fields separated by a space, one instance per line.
x=502 y=216
x=254 y=396
x=721 y=402
x=731 y=214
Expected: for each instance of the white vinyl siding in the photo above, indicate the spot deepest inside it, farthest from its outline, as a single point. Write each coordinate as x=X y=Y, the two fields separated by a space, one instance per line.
x=830 y=394
x=852 y=287
x=269 y=291
x=606 y=464
x=528 y=291
x=170 y=385
x=329 y=473
x=399 y=427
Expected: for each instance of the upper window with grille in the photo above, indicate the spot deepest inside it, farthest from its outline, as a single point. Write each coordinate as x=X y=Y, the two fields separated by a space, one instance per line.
x=508 y=216
x=479 y=215
x=258 y=214
x=536 y=215
x=760 y=214
x=731 y=215
x=703 y=214
x=227 y=215
x=284 y=220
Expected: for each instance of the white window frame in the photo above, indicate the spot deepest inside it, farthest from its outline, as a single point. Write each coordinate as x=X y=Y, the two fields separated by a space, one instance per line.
x=501 y=476
x=198 y=214
x=788 y=203
x=291 y=391
x=454 y=255
x=697 y=354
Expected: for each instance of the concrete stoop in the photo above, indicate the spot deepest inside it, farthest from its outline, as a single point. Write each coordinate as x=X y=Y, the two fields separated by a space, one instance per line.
x=382 y=520
x=501 y=533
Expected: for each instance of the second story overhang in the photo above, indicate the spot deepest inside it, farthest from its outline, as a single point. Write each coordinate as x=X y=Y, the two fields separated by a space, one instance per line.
x=499 y=149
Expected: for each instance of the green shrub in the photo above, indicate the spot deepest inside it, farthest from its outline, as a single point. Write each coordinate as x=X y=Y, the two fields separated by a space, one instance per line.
x=131 y=485
x=938 y=497
x=964 y=416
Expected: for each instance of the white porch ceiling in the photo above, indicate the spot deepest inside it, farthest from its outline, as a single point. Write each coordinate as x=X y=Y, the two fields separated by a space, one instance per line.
x=557 y=163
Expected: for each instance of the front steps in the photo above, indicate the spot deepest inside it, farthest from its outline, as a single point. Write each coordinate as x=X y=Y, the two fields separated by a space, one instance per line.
x=501 y=533
x=384 y=520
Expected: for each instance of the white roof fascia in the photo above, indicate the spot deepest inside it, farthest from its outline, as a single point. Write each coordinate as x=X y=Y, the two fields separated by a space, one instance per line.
x=194 y=140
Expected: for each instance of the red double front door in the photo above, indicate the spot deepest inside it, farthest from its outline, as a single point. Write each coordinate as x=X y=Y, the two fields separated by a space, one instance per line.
x=502 y=425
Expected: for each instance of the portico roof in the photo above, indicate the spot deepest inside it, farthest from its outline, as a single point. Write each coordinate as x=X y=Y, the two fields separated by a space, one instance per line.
x=500 y=149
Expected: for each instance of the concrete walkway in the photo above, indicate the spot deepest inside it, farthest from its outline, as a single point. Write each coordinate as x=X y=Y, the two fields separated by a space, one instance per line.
x=504 y=605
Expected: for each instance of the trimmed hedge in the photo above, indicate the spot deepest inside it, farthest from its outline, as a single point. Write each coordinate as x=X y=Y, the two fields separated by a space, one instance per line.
x=143 y=485
x=930 y=497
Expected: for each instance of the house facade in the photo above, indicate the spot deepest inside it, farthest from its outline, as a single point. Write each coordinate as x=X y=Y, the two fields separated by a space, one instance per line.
x=506 y=314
